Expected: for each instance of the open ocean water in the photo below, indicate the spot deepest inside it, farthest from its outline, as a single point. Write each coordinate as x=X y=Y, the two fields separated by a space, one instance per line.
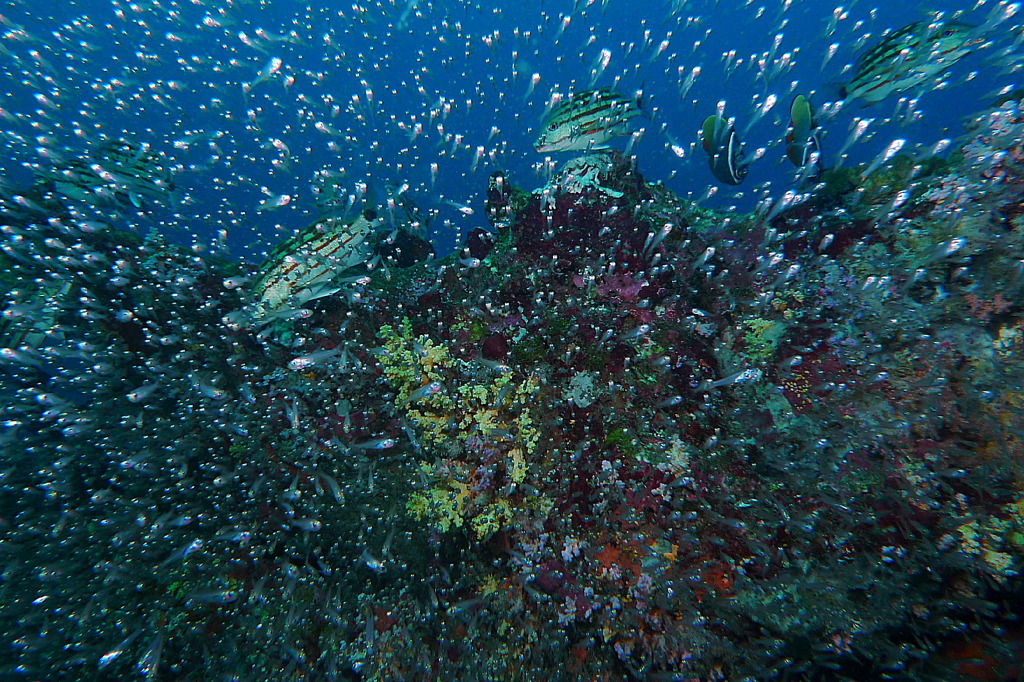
x=314 y=367
x=356 y=83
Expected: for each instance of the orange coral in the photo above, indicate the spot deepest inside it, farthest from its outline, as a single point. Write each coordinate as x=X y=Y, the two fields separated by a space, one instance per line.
x=617 y=562
x=609 y=556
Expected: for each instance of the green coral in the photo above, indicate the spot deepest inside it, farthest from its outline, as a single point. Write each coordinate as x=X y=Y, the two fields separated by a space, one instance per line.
x=444 y=504
x=644 y=375
x=529 y=351
x=621 y=440
x=762 y=338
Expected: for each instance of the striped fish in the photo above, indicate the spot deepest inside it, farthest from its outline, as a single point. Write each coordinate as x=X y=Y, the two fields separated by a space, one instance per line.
x=909 y=57
x=587 y=121
x=116 y=171
x=314 y=256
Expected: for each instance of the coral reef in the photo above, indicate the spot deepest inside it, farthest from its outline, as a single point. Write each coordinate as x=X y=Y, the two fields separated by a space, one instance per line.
x=626 y=438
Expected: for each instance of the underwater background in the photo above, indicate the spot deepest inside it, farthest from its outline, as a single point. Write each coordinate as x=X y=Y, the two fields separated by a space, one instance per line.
x=368 y=74
x=667 y=340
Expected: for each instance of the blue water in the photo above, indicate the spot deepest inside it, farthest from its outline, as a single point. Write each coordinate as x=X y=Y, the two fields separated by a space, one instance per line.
x=162 y=72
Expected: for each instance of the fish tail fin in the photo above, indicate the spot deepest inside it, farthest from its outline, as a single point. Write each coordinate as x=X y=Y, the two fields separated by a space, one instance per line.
x=642 y=104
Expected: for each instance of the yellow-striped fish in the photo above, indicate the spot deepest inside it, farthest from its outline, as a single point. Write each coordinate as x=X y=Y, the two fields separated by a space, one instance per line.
x=909 y=57
x=314 y=256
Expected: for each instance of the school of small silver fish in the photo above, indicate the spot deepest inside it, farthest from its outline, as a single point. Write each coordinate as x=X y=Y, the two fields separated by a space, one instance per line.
x=301 y=380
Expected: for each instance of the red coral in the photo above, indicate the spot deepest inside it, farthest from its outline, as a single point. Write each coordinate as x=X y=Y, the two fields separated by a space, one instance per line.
x=623 y=285
x=494 y=347
x=985 y=310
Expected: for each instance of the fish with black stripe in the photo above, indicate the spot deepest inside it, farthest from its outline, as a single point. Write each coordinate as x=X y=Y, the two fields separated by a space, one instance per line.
x=724 y=149
x=587 y=121
x=314 y=256
x=909 y=57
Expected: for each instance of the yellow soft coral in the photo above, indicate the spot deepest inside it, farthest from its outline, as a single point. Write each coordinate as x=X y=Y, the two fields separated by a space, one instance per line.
x=410 y=363
x=517 y=470
x=496 y=408
x=985 y=539
x=443 y=505
x=493 y=518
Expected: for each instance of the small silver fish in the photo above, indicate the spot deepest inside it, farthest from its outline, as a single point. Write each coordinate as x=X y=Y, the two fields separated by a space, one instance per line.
x=372 y=562
x=308 y=525
x=306 y=361
x=139 y=394
x=375 y=444
x=117 y=651
x=213 y=596
x=422 y=392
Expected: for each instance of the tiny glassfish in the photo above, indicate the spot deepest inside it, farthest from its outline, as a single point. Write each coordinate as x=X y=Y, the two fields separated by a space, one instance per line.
x=464 y=209
x=212 y=392
x=334 y=487
x=274 y=201
x=183 y=552
x=139 y=394
x=306 y=361
x=588 y=120
x=213 y=596
x=747 y=375
x=149 y=662
x=422 y=392
x=724 y=150
x=242 y=537
x=269 y=69
x=234 y=282
x=116 y=652
x=308 y=525
x=635 y=333
x=375 y=444
x=372 y=562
